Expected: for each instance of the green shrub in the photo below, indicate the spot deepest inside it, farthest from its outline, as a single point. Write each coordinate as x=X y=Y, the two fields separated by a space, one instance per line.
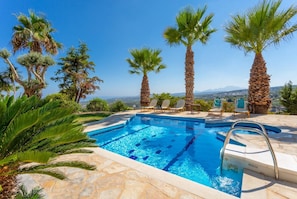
x=289 y=98
x=228 y=106
x=118 y=106
x=204 y=105
x=161 y=97
x=33 y=194
x=64 y=100
x=97 y=104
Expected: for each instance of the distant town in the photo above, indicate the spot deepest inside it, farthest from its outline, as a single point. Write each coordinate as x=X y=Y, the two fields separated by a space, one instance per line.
x=209 y=95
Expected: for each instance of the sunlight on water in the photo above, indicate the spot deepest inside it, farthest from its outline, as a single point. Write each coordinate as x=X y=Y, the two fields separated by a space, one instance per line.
x=184 y=148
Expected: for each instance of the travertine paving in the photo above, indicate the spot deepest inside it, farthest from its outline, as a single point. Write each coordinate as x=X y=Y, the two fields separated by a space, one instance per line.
x=119 y=177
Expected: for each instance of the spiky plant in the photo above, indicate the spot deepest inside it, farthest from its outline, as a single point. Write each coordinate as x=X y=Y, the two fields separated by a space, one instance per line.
x=33 y=130
x=33 y=194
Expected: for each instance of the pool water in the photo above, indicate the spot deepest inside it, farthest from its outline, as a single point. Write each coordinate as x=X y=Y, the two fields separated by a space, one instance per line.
x=180 y=146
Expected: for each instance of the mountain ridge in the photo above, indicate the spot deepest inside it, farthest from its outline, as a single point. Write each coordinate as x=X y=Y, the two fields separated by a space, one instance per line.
x=208 y=94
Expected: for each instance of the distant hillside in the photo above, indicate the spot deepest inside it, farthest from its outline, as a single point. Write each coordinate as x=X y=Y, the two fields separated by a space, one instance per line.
x=210 y=94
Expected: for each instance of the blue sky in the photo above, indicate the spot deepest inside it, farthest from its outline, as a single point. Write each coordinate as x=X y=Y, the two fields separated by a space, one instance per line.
x=111 y=27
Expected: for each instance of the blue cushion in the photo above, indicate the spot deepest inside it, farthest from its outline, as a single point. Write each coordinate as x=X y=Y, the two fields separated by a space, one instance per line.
x=240 y=103
x=217 y=103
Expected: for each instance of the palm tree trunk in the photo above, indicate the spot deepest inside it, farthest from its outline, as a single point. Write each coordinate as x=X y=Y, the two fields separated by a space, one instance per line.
x=189 y=77
x=145 y=91
x=8 y=183
x=259 y=86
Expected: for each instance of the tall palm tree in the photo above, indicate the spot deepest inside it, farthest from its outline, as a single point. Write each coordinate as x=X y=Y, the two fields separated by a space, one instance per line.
x=144 y=61
x=34 y=32
x=191 y=28
x=38 y=131
x=253 y=32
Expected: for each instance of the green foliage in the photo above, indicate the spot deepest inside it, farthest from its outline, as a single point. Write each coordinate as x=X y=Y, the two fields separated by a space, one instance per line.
x=91 y=117
x=260 y=27
x=64 y=100
x=118 y=106
x=75 y=74
x=289 y=98
x=192 y=26
x=22 y=193
x=204 y=105
x=35 y=59
x=97 y=104
x=163 y=96
x=34 y=130
x=228 y=106
x=34 y=33
x=145 y=60
x=4 y=53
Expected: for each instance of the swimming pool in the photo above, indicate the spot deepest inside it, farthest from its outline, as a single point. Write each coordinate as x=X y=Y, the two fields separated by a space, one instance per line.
x=182 y=146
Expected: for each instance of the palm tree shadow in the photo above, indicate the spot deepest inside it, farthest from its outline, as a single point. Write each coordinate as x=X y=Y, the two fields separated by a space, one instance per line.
x=271 y=182
x=112 y=119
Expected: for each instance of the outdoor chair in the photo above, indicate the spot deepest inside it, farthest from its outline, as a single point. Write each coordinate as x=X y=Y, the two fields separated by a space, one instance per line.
x=165 y=105
x=217 y=106
x=180 y=105
x=241 y=106
x=151 y=106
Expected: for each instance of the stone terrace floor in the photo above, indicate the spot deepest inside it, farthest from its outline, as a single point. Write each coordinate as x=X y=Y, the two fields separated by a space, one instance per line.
x=117 y=177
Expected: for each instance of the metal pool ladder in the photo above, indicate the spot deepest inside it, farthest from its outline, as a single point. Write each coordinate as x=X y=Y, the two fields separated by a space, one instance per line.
x=256 y=130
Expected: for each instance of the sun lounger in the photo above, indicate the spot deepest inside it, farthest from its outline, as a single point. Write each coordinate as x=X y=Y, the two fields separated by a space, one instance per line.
x=165 y=104
x=241 y=106
x=151 y=106
x=179 y=106
x=217 y=106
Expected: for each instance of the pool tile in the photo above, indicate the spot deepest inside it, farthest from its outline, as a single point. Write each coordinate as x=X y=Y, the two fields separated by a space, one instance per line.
x=145 y=158
x=131 y=151
x=133 y=157
x=158 y=152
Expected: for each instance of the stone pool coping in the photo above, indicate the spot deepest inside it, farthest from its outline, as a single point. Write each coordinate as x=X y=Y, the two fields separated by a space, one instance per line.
x=118 y=178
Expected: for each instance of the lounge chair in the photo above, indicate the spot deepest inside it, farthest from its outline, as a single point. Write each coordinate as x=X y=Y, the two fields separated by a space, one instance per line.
x=217 y=106
x=151 y=106
x=165 y=104
x=179 y=106
x=241 y=106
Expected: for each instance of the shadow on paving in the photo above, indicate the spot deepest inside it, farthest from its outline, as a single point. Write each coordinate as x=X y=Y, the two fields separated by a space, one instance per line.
x=113 y=119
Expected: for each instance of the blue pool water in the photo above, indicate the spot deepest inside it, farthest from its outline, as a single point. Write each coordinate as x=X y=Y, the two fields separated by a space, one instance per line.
x=184 y=147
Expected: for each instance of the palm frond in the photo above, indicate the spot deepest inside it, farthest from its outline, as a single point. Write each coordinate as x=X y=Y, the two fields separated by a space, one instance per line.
x=261 y=26
x=54 y=173
x=75 y=164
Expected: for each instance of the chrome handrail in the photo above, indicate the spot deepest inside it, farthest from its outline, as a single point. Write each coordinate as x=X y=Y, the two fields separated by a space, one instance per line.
x=261 y=132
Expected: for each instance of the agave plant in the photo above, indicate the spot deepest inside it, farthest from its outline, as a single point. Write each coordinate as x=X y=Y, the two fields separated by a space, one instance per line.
x=34 y=130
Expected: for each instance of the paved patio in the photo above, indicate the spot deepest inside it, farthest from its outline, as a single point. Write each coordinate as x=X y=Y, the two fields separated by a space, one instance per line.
x=120 y=177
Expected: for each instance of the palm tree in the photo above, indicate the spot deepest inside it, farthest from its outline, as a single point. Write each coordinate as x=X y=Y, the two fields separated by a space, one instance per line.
x=34 y=32
x=254 y=32
x=191 y=27
x=34 y=130
x=144 y=61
